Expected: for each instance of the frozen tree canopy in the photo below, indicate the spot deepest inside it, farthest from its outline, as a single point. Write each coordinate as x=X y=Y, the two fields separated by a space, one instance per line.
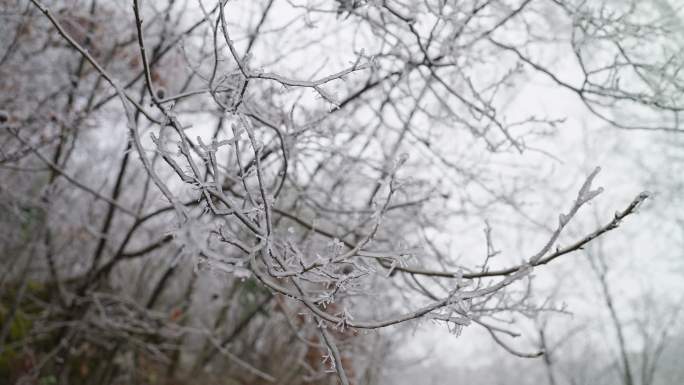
x=309 y=191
